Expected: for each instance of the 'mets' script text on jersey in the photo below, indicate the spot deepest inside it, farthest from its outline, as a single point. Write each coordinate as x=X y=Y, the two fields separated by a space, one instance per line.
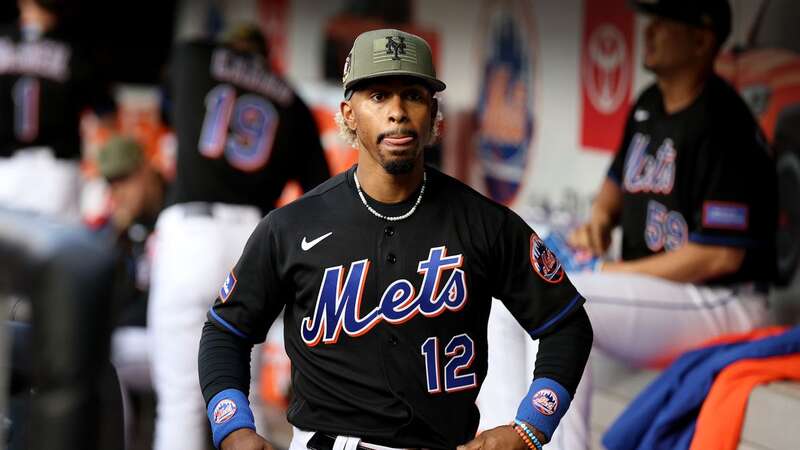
x=339 y=308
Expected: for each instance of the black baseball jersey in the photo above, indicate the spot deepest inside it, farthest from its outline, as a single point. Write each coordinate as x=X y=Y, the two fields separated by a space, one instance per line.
x=702 y=174
x=45 y=85
x=242 y=131
x=386 y=322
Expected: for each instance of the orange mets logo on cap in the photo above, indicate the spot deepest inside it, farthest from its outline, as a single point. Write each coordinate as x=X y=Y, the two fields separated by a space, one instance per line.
x=224 y=411
x=544 y=261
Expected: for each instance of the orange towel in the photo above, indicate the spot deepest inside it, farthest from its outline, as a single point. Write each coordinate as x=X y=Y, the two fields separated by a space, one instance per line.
x=719 y=424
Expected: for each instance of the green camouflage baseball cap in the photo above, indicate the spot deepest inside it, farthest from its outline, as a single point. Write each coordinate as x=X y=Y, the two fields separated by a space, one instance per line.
x=119 y=157
x=380 y=53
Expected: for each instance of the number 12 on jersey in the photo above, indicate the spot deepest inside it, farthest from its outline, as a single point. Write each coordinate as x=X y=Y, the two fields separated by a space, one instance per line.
x=461 y=351
x=252 y=122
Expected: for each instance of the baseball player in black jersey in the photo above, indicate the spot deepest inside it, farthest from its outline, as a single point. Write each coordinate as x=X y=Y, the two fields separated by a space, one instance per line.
x=242 y=134
x=386 y=274
x=46 y=82
x=694 y=189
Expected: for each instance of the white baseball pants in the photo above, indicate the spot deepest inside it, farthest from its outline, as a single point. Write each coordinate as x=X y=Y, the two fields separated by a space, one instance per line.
x=300 y=440
x=193 y=254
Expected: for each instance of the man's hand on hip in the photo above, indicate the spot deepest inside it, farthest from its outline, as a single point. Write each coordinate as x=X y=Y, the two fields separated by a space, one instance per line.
x=245 y=439
x=500 y=438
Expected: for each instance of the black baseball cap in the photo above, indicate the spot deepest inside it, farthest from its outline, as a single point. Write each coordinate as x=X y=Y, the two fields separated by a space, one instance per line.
x=712 y=14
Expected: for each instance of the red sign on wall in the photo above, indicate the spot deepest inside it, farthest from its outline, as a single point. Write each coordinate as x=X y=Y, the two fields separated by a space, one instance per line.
x=606 y=72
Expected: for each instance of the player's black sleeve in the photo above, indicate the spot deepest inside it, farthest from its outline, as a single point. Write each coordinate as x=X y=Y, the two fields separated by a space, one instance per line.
x=532 y=284
x=735 y=194
x=241 y=316
x=250 y=299
x=528 y=278
x=309 y=163
x=564 y=351
x=223 y=362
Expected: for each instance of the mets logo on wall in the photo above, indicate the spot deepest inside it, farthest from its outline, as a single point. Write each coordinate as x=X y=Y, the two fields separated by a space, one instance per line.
x=224 y=411
x=505 y=106
x=545 y=401
x=544 y=261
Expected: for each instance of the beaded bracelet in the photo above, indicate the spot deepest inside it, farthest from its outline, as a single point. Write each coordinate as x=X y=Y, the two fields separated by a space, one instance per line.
x=525 y=439
x=528 y=432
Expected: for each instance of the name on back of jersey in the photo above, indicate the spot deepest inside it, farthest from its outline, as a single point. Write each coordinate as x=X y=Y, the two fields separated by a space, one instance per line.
x=246 y=73
x=338 y=306
x=45 y=58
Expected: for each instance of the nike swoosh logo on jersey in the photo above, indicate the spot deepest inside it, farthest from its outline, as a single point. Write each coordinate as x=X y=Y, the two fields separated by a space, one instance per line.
x=306 y=246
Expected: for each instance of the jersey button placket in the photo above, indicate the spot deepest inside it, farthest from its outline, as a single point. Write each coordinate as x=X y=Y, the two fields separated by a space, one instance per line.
x=391 y=258
x=389 y=231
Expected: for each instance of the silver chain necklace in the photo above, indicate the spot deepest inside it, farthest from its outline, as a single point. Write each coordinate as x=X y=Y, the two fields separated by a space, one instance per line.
x=391 y=218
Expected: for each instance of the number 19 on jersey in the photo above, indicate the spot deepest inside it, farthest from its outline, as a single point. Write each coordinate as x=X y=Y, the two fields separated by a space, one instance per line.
x=242 y=129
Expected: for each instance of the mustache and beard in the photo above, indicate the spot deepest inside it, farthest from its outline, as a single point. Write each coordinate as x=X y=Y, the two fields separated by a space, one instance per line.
x=404 y=164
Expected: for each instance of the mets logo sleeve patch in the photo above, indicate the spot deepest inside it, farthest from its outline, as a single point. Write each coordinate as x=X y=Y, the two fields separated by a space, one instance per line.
x=544 y=261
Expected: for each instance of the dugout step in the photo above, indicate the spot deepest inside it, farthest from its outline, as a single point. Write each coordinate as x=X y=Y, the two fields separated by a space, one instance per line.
x=771 y=420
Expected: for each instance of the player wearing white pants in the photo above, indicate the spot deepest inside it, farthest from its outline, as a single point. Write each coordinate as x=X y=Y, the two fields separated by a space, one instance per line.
x=239 y=143
x=47 y=82
x=196 y=246
x=637 y=319
x=693 y=189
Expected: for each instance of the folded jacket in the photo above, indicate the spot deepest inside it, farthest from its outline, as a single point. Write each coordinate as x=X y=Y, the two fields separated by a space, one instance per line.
x=663 y=415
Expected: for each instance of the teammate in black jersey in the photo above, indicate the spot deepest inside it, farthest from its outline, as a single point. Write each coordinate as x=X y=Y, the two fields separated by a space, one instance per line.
x=693 y=188
x=242 y=130
x=242 y=134
x=46 y=82
x=386 y=275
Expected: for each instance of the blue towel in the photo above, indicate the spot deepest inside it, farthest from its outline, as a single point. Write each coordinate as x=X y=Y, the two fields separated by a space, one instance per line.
x=664 y=415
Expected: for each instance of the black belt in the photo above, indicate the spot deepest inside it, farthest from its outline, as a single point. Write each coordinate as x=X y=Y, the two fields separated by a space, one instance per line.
x=320 y=441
